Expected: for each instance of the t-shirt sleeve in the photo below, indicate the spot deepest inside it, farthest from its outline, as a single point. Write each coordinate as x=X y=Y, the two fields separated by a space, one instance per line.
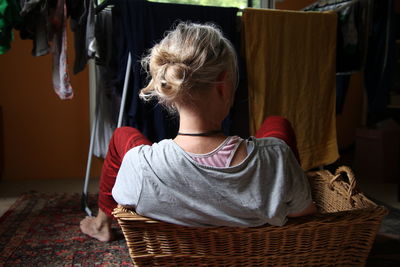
x=128 y=184
x=298 y=188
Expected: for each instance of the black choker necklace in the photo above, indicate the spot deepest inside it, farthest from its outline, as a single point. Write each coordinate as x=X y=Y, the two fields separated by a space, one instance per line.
x=202 y=134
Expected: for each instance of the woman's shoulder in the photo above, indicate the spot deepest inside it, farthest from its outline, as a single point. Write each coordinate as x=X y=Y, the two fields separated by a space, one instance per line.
x=158 y=147
x=267 y=141
x=268 y=147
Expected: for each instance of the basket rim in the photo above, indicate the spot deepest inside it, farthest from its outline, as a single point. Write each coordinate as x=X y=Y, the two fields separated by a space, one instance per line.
x=123 y=214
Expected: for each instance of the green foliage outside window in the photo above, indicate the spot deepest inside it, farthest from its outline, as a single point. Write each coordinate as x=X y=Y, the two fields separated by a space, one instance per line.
x=224 y=3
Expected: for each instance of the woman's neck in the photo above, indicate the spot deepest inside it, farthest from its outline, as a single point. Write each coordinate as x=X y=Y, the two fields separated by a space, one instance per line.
x=194 y=123
x=200 y=117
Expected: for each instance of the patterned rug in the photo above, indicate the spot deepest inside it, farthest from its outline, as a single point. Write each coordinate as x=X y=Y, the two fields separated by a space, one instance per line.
x=43 y=230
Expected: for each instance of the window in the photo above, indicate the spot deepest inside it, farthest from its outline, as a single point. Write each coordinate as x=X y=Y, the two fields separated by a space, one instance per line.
x=223 y=3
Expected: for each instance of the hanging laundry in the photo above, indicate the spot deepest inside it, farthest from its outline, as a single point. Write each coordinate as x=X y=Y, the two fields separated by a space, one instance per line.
x=82 y=23
x=35 y=26
x=44 y=21
x=290 y=60
x=353 y=21
x=107 y=101
x=58 y=42
x=94 y=37
x=381 y=60
x=9 y=18
x=143 y=24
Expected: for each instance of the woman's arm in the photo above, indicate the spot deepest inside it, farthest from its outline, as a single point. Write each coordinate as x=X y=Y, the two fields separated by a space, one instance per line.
x=311 y=209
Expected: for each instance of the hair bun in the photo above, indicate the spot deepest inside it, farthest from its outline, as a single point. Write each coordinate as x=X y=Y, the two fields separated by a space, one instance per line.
x=175 y=74
x=171 y=77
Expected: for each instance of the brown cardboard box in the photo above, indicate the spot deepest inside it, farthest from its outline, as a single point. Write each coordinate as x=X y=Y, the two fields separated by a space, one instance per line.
x=377 y=153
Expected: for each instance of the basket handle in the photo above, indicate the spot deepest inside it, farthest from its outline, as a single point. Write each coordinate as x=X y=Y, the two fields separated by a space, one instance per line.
x=352 y=181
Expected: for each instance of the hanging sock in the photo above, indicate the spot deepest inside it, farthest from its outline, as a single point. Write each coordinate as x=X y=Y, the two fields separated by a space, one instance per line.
x=61 y=81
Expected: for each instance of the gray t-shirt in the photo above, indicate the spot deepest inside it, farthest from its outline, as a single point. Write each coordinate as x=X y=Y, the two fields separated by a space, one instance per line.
x=163 y=182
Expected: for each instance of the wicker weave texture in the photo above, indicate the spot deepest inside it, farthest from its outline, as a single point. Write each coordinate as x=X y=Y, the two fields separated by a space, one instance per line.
x=341 y=234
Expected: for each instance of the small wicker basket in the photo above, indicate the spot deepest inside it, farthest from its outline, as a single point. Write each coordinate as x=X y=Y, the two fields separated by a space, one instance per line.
x=341 y=234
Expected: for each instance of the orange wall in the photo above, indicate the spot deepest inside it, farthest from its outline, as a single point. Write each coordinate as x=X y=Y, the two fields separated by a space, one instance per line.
x=44 y=137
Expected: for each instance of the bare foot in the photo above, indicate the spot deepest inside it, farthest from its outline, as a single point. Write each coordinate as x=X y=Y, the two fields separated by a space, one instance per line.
x=94 y=227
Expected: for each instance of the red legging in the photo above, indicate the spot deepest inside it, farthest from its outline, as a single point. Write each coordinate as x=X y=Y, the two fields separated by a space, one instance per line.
x=125 y=138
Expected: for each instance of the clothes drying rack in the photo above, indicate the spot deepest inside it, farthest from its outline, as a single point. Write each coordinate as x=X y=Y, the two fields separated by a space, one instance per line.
x=85 y=205
x=98 y=7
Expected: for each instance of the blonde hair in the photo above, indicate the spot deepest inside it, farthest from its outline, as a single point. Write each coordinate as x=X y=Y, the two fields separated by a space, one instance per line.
x=187 y=61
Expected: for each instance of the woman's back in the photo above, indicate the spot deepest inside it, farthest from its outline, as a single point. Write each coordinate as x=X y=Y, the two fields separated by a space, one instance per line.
x=178 y=189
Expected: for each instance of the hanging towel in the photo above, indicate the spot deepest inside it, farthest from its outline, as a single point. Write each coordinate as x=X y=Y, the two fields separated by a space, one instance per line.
x=290 y=60
x=143 y=25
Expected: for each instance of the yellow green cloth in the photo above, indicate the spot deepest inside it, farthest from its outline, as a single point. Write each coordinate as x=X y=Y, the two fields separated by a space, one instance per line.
x=290 y=64
x=9 y=16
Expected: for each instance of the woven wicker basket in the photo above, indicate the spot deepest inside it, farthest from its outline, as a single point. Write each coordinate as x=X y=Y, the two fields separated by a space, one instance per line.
x=341 y=234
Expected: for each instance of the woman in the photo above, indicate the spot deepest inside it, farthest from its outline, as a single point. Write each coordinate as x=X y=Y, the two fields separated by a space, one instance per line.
x=202 y=177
